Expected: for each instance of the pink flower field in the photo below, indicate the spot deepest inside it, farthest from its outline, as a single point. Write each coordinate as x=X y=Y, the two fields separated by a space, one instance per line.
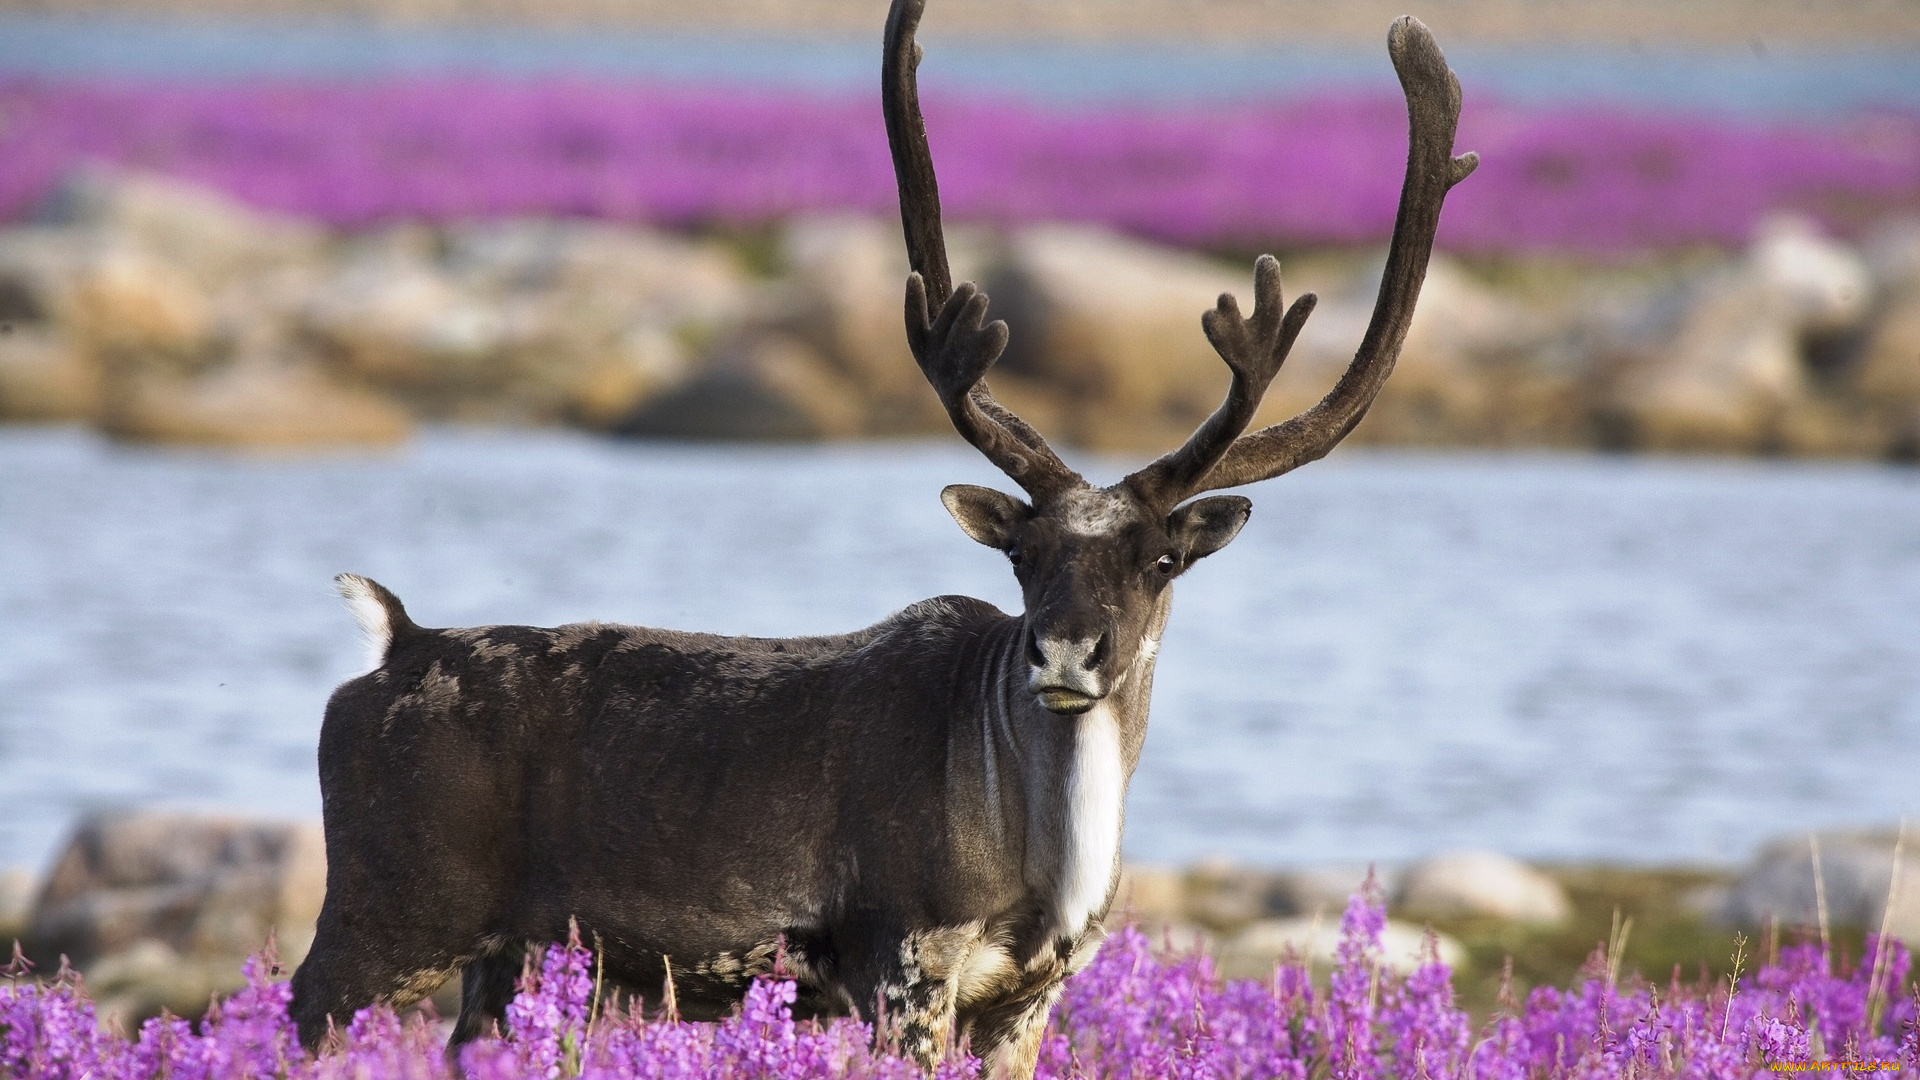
x=1132 y=1015
x=1322 y=171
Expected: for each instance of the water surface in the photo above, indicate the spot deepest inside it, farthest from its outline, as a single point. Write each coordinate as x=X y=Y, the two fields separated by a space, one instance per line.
x=1560 y=657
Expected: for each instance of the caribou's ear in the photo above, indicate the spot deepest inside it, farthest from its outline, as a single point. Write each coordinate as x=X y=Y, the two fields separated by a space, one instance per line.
x=1204 y=526
x=984 y=514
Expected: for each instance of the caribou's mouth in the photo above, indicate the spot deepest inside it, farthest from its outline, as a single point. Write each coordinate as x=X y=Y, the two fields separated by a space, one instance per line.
x=1059 y=699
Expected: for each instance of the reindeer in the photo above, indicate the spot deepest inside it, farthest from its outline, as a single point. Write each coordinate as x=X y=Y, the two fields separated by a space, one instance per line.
x=920 y=821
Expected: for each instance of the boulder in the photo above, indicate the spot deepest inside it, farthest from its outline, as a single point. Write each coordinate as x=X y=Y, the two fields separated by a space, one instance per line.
x=148 y=977
x=1481 y=884
x=130 y=302
x=847 y=276
x=1729 y=370
x=1148 y=893
x=44 y=375
x=1885 y=373
x=606 y=275
x=1224 y=896
x=255 y=403
x=205 y=887
x=764 y=389
x=17 y=888
x=1256 y=950
x=1173 y=937
x=645 y=361
x=112 y=300
x=1892 y=255
x=1817 y=284
x=1112 y=325
x=1325 y=890
x=523 y=321
x=390 y=319
x=1856 y=869
x=198 y=232
x=1469 y=372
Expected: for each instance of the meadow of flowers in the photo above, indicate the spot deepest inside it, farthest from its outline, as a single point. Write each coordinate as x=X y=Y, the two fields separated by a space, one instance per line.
x=1302 y=172
x=1132 y=1014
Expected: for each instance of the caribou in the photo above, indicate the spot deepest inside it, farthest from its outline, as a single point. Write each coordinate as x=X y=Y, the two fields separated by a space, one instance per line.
x=918 y=822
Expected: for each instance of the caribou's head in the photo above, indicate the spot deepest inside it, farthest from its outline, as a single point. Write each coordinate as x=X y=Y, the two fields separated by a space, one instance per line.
x=1094 y=563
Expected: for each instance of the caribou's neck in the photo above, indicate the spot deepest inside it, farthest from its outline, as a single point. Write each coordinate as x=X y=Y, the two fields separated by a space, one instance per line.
x=1057 y=784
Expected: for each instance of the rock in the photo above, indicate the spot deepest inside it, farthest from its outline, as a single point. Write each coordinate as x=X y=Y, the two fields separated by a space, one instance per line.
x=847 y=276
x=1325 y=890
x=1223 y=896
x=1818 y=285
x=205 y=887
x=1885 y=375
x=114 y=301
x=1173 y=937
x=1892 y=256
x=45 y=376
x=1256 y=950
x=1481 y=884
x=606 y=275
x=391 y=319
x=1721 y=381
x=1468 y=373
x=131 y=302
x=1148 y=893
x=260 y=404
x=17 y=888
x=524 y=321
x=201 y=233
x=766 y=389
x=1731 y=371
x=644 y=362
x=147 y=978
x=1112 y=324
x=1855 y=869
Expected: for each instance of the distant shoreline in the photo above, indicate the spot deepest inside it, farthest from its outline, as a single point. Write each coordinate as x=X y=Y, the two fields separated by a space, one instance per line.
x=1762 y=24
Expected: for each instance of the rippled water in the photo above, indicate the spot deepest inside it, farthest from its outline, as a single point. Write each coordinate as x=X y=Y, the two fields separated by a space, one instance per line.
x=1562 y=657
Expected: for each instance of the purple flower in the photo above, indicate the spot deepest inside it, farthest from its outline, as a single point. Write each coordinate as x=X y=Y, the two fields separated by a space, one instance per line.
x=1323 y=170
x=1131 y=1015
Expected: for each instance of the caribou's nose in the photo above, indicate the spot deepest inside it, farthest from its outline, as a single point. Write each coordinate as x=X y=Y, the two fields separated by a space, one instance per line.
x=1065 y=672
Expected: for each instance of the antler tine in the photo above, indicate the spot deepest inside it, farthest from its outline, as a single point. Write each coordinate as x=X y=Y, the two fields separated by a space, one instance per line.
x=953 y=348
x=1433 y=114
x=1253 y=348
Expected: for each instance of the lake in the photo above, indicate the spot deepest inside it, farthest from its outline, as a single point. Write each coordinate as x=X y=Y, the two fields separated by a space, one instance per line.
x=1562 y=657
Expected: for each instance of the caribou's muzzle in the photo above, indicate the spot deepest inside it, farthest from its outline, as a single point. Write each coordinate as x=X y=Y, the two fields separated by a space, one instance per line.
x=1065 y=675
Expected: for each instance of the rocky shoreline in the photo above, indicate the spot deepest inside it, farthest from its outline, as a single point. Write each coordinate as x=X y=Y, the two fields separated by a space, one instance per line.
x=159 y=312
x=158 y=909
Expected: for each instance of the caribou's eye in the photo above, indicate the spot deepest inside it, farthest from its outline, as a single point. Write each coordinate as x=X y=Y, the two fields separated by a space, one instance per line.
x=1013 y=556
x=1166 y=564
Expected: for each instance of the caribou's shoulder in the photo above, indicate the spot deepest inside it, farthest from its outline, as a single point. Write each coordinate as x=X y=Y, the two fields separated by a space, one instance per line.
x=954 y=611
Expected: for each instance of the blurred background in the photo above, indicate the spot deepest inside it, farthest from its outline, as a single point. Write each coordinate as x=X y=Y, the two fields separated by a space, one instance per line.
x=539 y=312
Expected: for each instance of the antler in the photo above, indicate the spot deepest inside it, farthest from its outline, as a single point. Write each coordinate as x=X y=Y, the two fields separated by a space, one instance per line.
x=953 y=348
x=1217 y=455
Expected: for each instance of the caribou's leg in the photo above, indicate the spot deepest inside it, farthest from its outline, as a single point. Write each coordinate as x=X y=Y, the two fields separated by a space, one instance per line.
x=910 y=989
x=1006 y=1034
x=344 y=973
x=487 y=985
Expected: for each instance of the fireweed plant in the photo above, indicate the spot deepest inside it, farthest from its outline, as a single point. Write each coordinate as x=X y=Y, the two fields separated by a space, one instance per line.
x=1134 y=1014
x=1320 y=170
